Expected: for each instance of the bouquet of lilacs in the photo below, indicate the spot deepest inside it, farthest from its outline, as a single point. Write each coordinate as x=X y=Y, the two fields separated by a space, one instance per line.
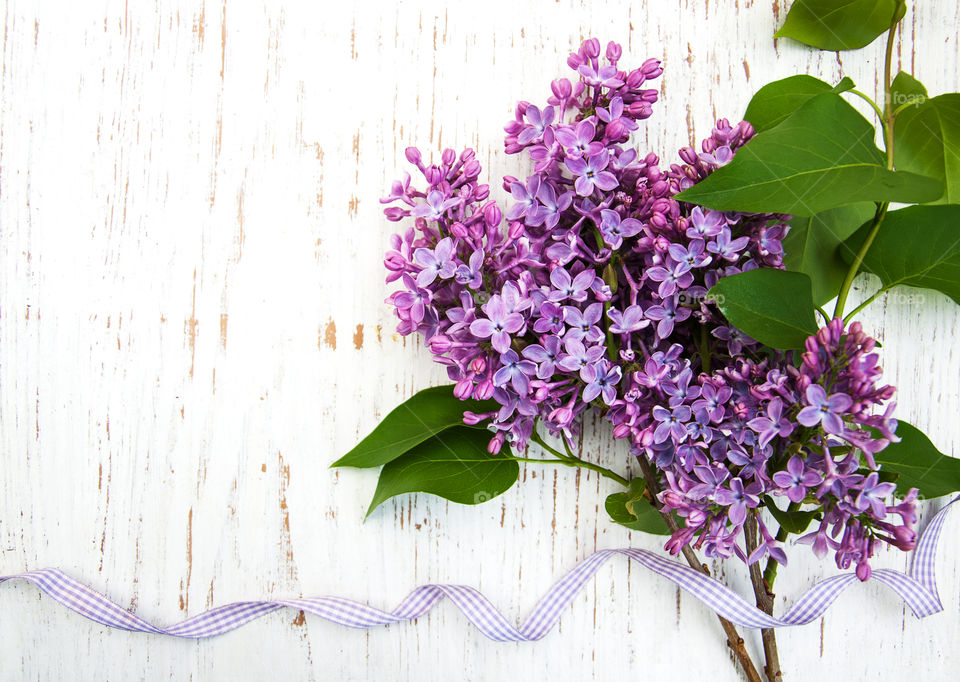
x=680 y=302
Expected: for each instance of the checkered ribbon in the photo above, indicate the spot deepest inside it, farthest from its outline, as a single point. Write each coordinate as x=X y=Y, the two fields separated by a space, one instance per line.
x=918 y=590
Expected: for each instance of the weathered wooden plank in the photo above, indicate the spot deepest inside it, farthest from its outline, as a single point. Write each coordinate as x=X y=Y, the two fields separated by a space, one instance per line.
x=192 y=328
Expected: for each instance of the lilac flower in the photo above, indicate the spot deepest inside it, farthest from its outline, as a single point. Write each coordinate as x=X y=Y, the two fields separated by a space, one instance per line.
x=440 y=261
x=514 y=371
x=628 y=321
x=711 y=478
x=771 y=425
x=525 y=199
x=413 y=301
x=738 y=499
x=600 y=379
x=734 y=338
x=692 y=254
x=437 y=204
x=578 y=355
x=583 y=323
x=552 y=206
x=671 y=278
x=667 y=315
x=498 y=325
x=575 y=289
x=796 y=479
x=539 y=120
x=546 y=355
x=591 y=175
x=821 y=409
x=705 y=225
x=579 y=141
x=728 y=248
x=672 y=422
x=471 y=275
x=872 y=494
x=605 y=76
x=550 y=319
x=617 y=124
x=711 y=402
x=614 y=229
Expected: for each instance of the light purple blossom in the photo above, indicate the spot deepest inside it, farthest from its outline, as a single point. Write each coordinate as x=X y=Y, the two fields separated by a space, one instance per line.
x=824 y=410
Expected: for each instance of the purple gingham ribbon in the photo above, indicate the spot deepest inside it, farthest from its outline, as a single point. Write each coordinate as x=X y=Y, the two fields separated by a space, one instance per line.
x=918 y=589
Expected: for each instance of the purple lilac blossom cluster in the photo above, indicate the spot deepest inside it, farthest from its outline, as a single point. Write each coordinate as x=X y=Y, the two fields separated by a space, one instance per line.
x=591 y=292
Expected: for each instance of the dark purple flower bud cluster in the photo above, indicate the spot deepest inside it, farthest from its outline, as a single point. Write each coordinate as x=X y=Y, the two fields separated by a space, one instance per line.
x=590 y=291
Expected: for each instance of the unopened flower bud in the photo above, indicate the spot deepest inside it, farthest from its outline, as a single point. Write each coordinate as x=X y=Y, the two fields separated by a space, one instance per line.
x=413 y=155
x=463 y=389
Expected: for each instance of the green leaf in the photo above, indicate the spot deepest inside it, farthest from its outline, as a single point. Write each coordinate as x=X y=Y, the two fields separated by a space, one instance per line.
x=917 y=246
x=633 y=510
x=425 y=414
x=454 y=465
x=792 y=521
x=926 y=140
x=772 y=306
x=919 y=464
x=822 y=156
x=905 y=89
x=777 y=100
x=811 y=246
x=840 y=24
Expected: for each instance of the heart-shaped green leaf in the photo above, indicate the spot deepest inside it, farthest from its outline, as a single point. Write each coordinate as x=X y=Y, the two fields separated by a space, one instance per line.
x=917 y=246
x=905 y=89
x=454 y=465
x=919 y=464
x=927 y=141
x=811 y=246
x=820 y=157
x=840 y=24
x=774 y=307
x=425 y=414
x=633 y=510
x=777 y=100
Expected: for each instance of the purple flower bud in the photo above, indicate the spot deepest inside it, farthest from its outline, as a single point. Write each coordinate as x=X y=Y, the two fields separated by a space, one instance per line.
x=496 y=443
x=433 y=175
x=413 y=155
x=472 y=418
x=459 y=230
x=614 y=52
x=863 y=570
x=492 y=215
x=439 y=344
x=635 y=79
x=478 y=365
x=561 y=88
x=395 y=213
x=516 y=230
x=484 y=390
x=448 y=157
x=591 y=48
x=463 y=389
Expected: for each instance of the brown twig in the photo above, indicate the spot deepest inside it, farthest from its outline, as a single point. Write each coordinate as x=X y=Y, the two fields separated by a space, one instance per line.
x=734 y=640
x=764 y=601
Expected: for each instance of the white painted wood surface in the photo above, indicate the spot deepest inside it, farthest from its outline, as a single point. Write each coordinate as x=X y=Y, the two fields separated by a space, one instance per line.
x=192 y=328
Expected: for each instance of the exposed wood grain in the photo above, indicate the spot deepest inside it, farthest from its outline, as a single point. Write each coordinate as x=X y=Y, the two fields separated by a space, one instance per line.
x=192 y=328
